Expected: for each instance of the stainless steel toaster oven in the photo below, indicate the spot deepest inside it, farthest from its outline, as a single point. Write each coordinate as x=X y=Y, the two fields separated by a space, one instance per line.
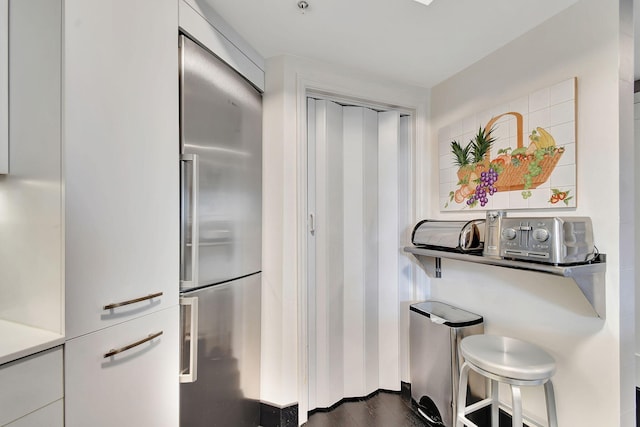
x=552 y=240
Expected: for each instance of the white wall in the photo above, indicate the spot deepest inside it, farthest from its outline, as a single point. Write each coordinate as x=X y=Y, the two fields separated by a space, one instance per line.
x=594 y=356
x=31 y=255
x=627 y=192
x=284 y=159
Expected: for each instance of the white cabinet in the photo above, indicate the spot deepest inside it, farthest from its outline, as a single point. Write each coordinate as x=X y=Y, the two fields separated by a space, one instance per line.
x=31 y=385
x=31 y=217
x=121 y=181
x=136 y=387
x=120 y=160
x=51 y=415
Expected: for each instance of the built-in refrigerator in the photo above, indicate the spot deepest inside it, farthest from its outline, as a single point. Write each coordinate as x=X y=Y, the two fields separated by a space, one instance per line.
x=220 y=254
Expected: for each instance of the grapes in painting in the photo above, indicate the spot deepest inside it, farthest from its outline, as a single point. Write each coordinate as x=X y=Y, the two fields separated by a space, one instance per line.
x=485 y=188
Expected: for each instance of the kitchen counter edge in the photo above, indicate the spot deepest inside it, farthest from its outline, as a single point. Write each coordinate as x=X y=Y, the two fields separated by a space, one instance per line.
x=18 y=341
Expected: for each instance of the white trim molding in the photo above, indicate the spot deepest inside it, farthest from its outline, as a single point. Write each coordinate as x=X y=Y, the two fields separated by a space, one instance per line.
x=4 y=86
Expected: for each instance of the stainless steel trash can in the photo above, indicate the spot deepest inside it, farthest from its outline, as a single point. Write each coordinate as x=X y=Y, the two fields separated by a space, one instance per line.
x=436 y=330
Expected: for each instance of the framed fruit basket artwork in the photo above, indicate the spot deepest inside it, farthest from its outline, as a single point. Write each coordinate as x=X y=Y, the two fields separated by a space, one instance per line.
x=520 y=155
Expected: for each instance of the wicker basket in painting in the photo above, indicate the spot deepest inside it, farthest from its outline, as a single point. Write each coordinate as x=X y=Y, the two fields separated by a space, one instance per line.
x=512 y=177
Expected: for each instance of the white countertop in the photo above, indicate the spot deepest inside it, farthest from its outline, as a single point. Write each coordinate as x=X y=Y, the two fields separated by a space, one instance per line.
x=17 y=340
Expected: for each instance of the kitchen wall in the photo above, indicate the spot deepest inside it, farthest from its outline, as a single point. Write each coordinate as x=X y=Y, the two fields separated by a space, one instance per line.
x=594 y=379
x=594 y=382
x=31 y=254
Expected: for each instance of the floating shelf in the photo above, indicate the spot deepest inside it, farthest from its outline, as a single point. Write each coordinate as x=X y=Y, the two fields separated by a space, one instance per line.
x=590 y=277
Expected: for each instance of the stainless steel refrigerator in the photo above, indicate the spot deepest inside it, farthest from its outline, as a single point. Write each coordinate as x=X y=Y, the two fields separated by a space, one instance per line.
x=220 y=253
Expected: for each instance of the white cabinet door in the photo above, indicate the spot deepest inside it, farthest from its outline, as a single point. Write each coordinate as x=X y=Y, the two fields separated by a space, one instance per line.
x=137 y=387
x=120 y=159
x=29 y=384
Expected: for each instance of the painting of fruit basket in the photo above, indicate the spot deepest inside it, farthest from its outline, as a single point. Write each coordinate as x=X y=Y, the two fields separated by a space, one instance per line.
x=519 y=155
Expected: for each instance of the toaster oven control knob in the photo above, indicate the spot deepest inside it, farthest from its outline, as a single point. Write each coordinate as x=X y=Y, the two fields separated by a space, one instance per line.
x=540 y=234
x=509 y=234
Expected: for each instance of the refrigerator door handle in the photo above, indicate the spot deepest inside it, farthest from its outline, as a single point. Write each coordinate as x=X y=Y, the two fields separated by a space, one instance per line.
x=191 y=374
x=195 y=226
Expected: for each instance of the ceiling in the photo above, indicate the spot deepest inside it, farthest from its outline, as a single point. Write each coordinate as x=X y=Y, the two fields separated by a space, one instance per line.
x=401 y=40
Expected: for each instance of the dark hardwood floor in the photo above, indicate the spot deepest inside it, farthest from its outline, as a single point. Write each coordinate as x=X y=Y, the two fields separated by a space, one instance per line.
x=384 y=409
x=387 y=409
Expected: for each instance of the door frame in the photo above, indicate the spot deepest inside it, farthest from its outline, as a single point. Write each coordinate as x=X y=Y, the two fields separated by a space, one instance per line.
x=305 y=88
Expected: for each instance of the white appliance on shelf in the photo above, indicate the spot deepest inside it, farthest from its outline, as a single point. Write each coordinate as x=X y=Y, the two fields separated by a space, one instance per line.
x=220 y=241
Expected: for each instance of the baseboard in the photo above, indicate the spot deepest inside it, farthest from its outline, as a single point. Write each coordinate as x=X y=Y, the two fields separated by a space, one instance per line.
x=637 y=407
x=405 y=390
x=274 y=416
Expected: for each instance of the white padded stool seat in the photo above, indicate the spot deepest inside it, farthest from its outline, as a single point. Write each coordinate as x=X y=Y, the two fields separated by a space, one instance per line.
x=509 y=361
x=508 y=357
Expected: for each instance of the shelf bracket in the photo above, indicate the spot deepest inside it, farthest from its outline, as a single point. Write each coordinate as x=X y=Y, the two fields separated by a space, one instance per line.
x=591 y=285
x=438 y=272
x=432 y=265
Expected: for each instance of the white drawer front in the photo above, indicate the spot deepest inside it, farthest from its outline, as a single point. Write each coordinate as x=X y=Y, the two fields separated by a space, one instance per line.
x=137 y=386
x=50 y=416
x=29 y=384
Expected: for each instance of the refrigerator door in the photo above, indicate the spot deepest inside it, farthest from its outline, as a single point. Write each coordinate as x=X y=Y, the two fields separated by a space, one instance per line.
x=221 y=147
x=227 y=389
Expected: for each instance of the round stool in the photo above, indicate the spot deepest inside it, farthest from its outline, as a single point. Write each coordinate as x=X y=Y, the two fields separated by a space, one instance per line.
x=510 y=361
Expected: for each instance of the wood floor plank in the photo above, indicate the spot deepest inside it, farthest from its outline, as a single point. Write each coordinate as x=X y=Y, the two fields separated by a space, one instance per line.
x=384 y=409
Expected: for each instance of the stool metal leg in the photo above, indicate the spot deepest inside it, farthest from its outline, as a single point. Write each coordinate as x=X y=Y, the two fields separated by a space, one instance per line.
x=495 y=404
x=462 y=394
x=549 y=395
x=516 y=400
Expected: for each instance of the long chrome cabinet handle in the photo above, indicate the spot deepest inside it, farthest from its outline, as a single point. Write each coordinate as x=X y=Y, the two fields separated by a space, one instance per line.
x=132 y=345
x=195 y=223
x=131 y=301
x=192 y=375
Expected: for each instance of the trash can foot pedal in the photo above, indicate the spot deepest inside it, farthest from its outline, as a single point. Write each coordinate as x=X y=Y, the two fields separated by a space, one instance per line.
x=429 y=411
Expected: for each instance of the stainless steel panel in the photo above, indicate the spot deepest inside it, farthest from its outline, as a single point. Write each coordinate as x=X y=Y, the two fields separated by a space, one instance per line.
x=226 y=392
x=221 y=122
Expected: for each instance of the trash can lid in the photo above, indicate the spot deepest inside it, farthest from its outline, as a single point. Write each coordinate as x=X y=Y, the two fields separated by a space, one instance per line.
x=450 y=315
